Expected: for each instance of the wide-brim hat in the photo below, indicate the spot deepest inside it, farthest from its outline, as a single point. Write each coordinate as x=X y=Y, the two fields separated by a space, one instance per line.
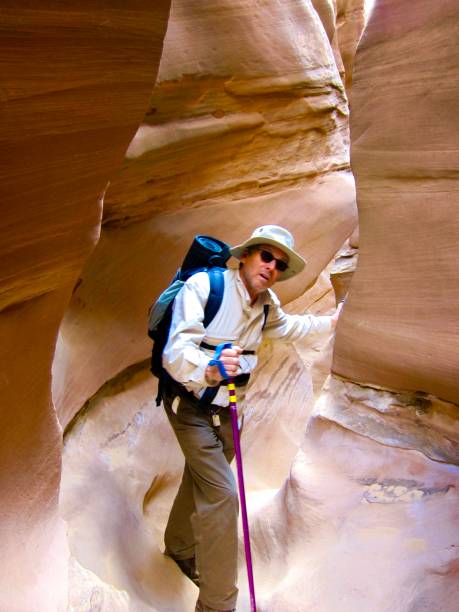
x=279 y=237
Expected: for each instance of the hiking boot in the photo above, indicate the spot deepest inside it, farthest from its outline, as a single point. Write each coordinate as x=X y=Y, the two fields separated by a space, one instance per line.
x=200 y=607
x=188 y=567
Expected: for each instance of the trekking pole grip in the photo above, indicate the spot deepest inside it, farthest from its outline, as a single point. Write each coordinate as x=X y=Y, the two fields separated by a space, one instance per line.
x=216 y=361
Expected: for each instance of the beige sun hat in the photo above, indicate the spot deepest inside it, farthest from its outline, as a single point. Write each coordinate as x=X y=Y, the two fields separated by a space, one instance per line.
x=276 y=236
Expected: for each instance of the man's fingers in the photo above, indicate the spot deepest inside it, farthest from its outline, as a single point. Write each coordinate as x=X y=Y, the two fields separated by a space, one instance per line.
x=230 y=358
x=235 y=351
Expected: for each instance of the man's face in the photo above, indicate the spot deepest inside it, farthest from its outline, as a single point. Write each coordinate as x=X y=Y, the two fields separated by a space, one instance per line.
x=258 y=275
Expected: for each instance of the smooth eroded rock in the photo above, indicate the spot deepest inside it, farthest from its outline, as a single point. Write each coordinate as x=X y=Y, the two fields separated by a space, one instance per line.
x=377 y=522
x=400 y=326
x=75 y=84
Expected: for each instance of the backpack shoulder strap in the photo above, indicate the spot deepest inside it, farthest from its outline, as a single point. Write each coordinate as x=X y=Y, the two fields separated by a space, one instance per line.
x=214 y=301
x=265 y=315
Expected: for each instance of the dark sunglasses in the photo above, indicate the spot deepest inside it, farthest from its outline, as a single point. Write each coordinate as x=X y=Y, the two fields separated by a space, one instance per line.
x=267 y=257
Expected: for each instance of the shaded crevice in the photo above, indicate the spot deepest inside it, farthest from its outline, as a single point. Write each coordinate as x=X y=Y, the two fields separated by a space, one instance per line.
x=111 y=387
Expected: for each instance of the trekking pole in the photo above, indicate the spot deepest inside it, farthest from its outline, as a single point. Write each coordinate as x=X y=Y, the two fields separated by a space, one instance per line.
x=240 y=473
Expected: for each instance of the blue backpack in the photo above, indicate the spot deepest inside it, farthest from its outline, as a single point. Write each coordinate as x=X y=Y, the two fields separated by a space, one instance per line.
x=206 y=254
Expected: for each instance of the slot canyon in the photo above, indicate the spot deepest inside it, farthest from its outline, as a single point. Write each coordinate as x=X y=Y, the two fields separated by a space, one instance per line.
x=127 y=129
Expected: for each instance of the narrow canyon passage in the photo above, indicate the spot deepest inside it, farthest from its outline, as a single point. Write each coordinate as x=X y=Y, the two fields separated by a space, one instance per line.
x=133 y=129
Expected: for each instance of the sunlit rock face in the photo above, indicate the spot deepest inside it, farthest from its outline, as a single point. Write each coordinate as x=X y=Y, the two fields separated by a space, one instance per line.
x=350 y=20
x=122 y=446
x=370 y=506
x=343 y=21
x=353 y=499
x=377 y=522
x=75 y=84
x=254 y=100
x=371 y=500
x=248 y=124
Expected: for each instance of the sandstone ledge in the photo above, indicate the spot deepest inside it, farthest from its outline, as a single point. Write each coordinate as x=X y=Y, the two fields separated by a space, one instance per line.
x=415 y=421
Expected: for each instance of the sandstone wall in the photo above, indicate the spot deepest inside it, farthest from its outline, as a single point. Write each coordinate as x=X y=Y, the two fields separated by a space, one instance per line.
x=248 y=124
x=74 y=86
x=370 y=505
x=404 y=155
x=122 y=446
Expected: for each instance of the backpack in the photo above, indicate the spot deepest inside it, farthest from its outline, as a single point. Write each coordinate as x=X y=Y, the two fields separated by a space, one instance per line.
x=206 y=254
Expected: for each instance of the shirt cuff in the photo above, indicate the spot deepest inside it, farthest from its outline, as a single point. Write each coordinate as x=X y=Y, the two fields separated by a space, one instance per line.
x=198 y=375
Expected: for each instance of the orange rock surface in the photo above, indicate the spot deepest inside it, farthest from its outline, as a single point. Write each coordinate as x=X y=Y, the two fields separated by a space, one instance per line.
x=248 y=122
x=400 y=326
x=75 y=84
x=352 y=478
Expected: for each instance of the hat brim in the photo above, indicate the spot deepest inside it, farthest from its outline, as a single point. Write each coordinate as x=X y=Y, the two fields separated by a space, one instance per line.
x=296 y=263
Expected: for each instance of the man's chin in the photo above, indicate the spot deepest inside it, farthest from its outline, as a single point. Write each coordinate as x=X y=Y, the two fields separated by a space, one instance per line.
x=264 y=284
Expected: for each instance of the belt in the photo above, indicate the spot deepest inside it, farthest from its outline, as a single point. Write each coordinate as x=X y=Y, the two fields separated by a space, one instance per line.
x=211 y=347
x=207 y=397
x=210 y=393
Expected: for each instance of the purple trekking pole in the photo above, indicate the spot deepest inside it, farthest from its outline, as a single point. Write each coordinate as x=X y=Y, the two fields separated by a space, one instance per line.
x=240 y=473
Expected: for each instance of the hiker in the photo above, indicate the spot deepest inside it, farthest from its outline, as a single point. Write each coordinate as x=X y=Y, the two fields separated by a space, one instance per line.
x=201 y=534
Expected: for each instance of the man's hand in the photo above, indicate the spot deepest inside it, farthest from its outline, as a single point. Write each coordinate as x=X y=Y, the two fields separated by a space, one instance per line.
x=230 y=359
x=335 y=317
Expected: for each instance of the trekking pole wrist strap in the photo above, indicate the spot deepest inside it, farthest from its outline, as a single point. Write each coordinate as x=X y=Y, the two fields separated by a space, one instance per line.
x=216 y=361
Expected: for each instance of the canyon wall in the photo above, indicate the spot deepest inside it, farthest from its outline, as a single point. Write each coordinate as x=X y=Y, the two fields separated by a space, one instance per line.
x=74 y=87
x=368 y=518
x=352 y=483
x=404 y=156
x=248 y=123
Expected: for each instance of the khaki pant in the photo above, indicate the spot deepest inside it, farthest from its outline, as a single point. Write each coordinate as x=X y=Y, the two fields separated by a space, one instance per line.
x=204 y=515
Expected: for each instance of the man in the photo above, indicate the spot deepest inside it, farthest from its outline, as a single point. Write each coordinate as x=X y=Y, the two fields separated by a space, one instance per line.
x=201 y=534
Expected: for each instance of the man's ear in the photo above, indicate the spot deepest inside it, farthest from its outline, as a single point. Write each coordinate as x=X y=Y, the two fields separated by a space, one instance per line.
x=244 y=255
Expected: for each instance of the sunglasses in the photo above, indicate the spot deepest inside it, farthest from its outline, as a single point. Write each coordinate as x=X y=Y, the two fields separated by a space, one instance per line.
x=267 y=257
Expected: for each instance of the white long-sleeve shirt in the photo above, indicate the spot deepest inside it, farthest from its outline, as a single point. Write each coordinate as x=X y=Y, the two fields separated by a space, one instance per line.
x=236 y=321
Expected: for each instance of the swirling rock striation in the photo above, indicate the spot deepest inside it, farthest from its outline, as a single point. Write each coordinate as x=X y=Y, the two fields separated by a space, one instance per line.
x=74 y=86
